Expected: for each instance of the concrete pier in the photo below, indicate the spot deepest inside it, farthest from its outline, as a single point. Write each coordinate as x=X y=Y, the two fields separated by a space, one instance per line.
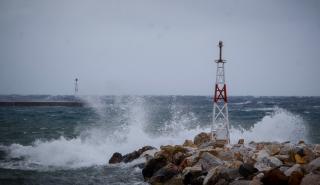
x=40 y=103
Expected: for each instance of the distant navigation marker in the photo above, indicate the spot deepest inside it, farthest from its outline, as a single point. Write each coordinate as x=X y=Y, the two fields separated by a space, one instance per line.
x=76 y=88
x=220 y=125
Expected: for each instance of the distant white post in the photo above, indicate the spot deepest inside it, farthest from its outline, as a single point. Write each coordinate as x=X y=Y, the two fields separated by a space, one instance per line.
x=76 y=88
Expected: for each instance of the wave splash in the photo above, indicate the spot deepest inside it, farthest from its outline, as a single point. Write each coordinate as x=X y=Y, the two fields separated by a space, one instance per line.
x=95 y=145
x=280 y=126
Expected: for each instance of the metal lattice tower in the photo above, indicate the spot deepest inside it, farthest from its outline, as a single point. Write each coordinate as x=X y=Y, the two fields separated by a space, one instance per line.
x=220 y=125
x=76 y=88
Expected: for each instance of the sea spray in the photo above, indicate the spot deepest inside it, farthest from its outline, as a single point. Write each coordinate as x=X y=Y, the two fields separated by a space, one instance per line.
x=127 y=131
x=280 y=126
x=95 y=145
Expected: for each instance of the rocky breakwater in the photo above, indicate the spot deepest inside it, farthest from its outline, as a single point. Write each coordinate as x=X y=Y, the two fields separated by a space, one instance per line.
x=206 y=162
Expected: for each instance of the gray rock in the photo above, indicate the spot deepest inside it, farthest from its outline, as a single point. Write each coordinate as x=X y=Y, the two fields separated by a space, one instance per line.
x=311 y=179
x=208 y=161
x=176 y=180
x=313 y=165
x=296 y=167
x=273 y=148
x=230 y=174
x=247 y=170
x=286 y=148
x=153 y=165
x=316 y=149
x=225 y=155
x=201 y=138
x=116 y=158
x=284 y=168
x=213 y=175
x=193 y=175
x=240 y=182
x=275 y=177
x=196 y=170
x=164 y=174
x=283 y=157
x=222 y=182
x=267 y=163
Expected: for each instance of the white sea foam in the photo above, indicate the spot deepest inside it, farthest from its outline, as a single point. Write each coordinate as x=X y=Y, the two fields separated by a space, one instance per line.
x=242 y=103
x=280 y=126
x=261 y=109
x=94 y=146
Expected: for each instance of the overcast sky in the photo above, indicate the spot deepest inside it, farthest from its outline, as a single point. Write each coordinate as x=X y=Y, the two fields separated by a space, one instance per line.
x=159 y=47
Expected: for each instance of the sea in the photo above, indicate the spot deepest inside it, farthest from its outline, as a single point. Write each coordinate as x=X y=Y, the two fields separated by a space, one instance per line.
x=72 y=145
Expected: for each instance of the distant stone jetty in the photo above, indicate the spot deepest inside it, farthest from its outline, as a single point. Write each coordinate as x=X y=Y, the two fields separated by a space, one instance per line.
x=42 y=103
x=206 y=162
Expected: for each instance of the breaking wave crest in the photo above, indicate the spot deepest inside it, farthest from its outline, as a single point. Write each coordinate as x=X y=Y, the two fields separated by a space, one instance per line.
x=96 y=144
x=280 y=126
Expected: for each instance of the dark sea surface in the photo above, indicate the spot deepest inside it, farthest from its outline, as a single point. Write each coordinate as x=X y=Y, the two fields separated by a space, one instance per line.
x=72 y=145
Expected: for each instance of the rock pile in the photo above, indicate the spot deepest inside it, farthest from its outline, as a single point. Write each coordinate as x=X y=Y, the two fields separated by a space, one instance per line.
x=206 y=162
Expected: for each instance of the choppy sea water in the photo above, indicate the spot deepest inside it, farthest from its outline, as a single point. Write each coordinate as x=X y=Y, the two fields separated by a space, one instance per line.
x=72 y=145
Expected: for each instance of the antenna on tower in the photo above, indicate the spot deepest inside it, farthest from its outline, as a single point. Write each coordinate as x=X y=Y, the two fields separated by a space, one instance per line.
x=220 y=120
x=76 y=86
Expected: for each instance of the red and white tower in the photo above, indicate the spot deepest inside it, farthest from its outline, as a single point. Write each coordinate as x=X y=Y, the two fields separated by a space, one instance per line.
x=220 y=125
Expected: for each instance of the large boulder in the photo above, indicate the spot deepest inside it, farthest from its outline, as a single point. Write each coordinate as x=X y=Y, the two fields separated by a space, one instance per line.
x=233 y=164
x=230 y=174
x=175 y=180
x=260 y=155
x=164 y=174
x=131 y=156
x=273 y=148
x=247 y=170
x=221 y=175
x=241 y=141
x=169 y=152
x=299 y=159
x=294 y=168
x=309 y=154
x=286 y=148
x=193 y=175
x=275 y=177
x=283 y=158
x=295 y=178
x=256 y=180
x=311 y=178
x=153 y=165
x=116 y=158
x=313 y=165
x=178 y=157
x=316 y=150
x=208 y=161
x=240 y=182
x=149 y=154
x=226 y=155
x=202 y=138
x=189 y=143
x=213 y=175
x=267 y=163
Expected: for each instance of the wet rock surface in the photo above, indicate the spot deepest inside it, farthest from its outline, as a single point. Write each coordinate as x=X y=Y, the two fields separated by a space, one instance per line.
x=118 y=157
x=202 y=161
